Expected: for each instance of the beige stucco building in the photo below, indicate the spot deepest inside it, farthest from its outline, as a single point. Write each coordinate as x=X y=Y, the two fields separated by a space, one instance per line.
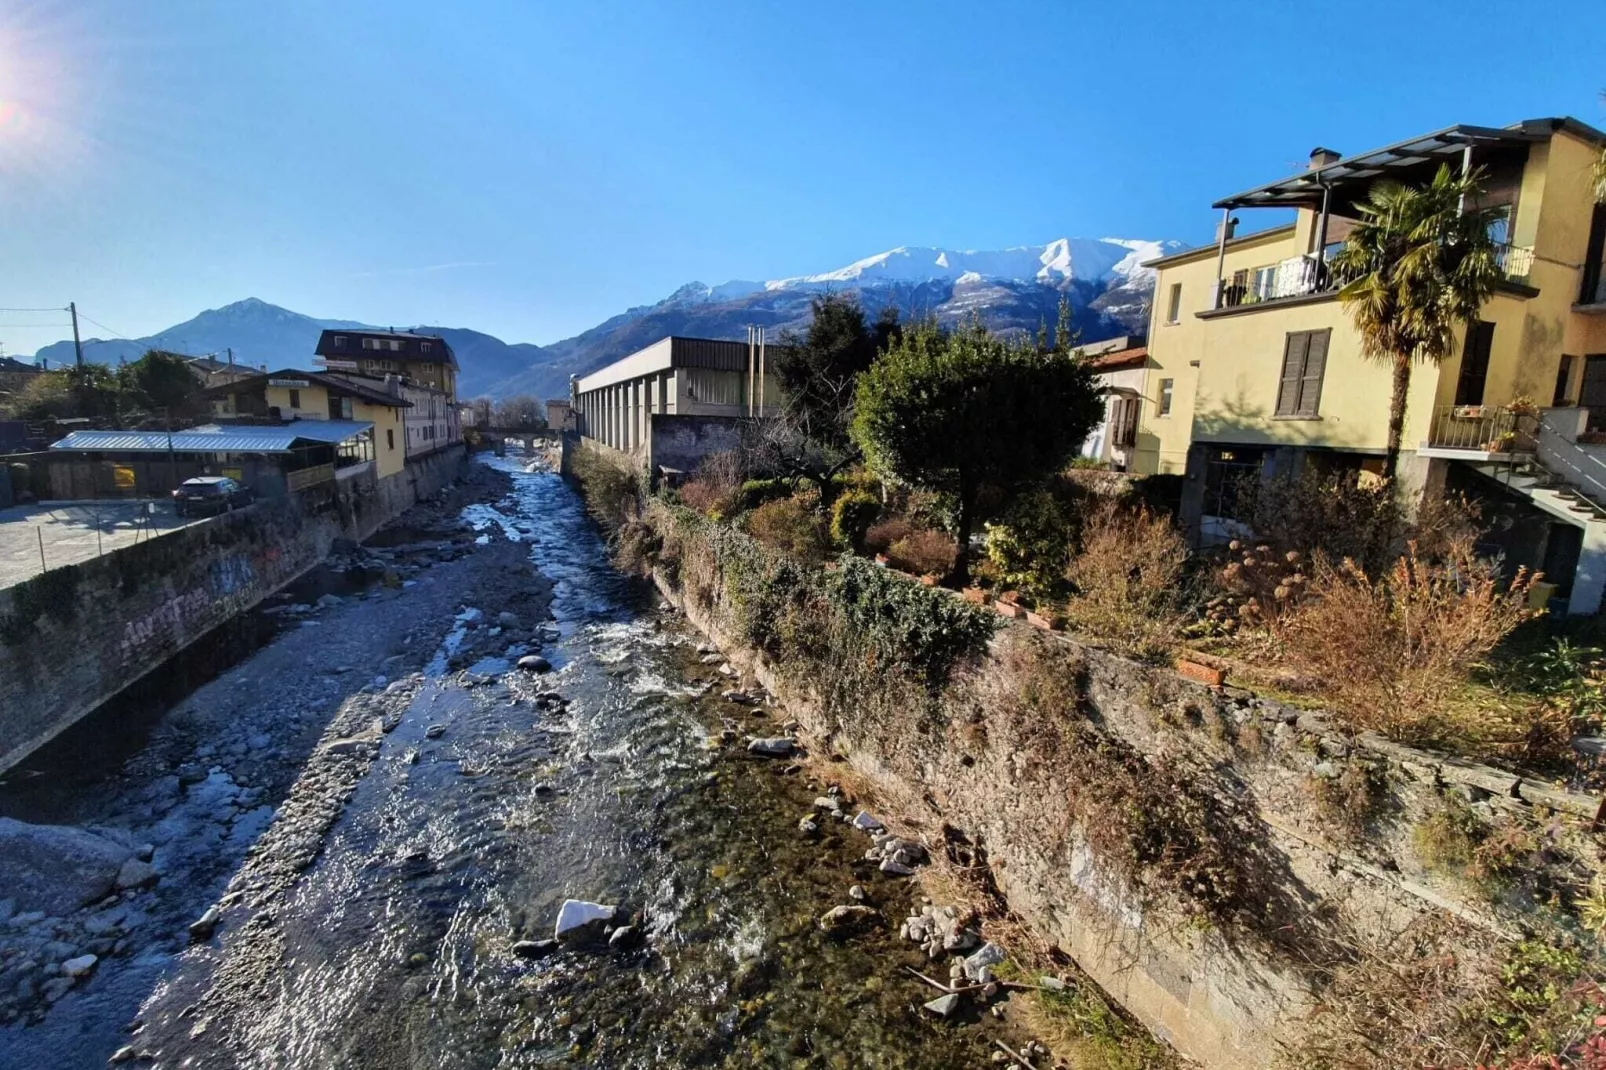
x=1263 y=372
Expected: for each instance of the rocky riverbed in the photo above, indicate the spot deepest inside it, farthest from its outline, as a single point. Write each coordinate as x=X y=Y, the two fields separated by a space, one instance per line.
x=353 y=848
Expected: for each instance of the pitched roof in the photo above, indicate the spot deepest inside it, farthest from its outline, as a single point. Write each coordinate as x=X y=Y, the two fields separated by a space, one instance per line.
x=214 y=438
x=330 y=382
x=1133 y=357
x=440 y=350
x=11 y=364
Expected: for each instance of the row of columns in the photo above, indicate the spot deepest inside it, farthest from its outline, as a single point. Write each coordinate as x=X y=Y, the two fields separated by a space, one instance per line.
x=620 y=415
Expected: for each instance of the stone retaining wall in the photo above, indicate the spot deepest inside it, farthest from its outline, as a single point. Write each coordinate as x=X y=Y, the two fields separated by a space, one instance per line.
x=980 y=769
x=73 y=637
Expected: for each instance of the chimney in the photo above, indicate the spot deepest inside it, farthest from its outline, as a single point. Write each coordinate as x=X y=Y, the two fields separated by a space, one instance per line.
x=1226 y=228
x=1320 y=157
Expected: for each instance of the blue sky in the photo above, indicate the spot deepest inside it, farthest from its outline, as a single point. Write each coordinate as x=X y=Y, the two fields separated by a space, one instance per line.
x=529 y=169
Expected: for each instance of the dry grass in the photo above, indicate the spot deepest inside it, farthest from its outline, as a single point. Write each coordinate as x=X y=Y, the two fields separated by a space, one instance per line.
x=715 y=489
x=1393 y=653
x=792 y=525
x=1127 y=580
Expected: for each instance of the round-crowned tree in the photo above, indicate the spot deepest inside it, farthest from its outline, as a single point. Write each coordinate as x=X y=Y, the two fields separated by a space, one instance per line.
x=962 y=411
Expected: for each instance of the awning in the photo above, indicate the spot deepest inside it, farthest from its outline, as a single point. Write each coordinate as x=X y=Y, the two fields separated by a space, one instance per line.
x=1445 y=146
x=214 y=438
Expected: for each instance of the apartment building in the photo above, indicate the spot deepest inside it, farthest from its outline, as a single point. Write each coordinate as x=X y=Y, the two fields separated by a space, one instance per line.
x=1254 y=368
x=1118 y=366
x=423 y=365
x=291 y=396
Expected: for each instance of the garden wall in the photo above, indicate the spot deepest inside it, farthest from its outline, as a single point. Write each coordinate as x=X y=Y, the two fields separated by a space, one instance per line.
x=73 y=637
x=1256 y=869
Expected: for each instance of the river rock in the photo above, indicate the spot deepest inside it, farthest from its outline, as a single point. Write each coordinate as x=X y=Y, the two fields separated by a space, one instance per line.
x=80 y=966
x=848 y=917
x=944 y=1006
x=534 y=949
x=579 y=921
x=135 y=874
x=984 y=958
x=896 y=869
x=807 y=827
x=625 y=936
x=778 y=747
x=712 y=659
x=507 y=619
x=435 y=731
x=867 y=822
x=858 y=894
x=823 y=802
x=47 y=867
x=535 y=663
x=203 y=927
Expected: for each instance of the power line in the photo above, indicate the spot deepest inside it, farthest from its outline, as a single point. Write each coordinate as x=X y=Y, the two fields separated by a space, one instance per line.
x=115 y=333
x=32 y=310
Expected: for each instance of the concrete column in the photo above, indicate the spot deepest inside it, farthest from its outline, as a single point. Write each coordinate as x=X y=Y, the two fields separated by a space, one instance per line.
x=1589 y=580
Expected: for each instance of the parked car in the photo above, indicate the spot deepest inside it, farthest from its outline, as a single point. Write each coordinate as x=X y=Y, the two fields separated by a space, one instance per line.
x=209 y=495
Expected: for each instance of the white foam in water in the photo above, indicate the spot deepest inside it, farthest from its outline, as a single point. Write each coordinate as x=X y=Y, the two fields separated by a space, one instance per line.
x=452 y=642
x=481 y=516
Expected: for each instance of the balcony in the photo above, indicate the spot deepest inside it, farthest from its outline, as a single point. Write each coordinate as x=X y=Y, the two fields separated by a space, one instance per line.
x=1298 y=276
x=1481 y=432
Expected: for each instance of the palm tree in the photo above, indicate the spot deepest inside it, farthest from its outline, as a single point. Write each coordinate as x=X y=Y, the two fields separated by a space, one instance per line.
x=1419 y=262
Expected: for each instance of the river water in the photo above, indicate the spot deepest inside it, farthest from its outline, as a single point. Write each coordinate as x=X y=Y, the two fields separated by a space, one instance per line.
x=398 y=940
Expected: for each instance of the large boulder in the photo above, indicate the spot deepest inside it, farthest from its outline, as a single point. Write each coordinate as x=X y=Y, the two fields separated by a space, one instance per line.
x=56 y=868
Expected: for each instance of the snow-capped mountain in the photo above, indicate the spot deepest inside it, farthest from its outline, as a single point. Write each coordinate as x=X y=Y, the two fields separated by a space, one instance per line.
x=1014 y=289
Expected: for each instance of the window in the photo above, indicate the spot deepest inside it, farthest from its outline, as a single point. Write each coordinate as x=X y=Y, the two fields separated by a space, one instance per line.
x=1474 y=363
x=1564 y=379
x=295 y=399
x=369 y=343
x=1299 y=391
x=1265 y=282
x=1164 y=404
x=424 y=347
x=1174 y=304
x=1124 y=423
x=390 y=438
x=395 y=346
x=340 y=341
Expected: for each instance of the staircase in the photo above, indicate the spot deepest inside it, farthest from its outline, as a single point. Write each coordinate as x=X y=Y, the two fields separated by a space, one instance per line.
x=1525 y=474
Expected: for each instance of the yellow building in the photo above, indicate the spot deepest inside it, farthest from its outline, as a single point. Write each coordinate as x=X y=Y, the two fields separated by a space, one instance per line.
x=293 y=394
x=1255 y=370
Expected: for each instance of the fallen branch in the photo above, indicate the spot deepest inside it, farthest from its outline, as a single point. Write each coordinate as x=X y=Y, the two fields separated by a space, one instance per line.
x=1017 y=1056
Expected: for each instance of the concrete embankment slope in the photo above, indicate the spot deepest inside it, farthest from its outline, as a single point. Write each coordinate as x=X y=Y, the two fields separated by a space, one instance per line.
x=1212 y=859
x=75 y=636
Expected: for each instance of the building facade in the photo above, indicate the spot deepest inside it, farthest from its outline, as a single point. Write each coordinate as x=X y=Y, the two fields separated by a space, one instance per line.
x=1119 y=364
x=1254 y=368
x=293 y=395
x=673 y=377
x=425 y=368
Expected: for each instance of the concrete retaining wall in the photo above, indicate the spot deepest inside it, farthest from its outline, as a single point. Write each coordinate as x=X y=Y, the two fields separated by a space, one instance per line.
x=75 y=636
x=979 y=768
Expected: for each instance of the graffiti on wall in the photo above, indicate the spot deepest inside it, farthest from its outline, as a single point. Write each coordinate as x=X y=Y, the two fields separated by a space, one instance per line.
x=230 y=585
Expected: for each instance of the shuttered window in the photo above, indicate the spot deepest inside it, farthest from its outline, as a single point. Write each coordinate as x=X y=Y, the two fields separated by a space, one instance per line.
x=1299 y=392
x=1474 y=363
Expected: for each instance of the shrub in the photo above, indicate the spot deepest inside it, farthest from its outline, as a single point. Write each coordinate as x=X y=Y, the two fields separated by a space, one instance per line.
x=923 y=552
x=1391 y=653
x=1030 y=546
x=790 y=525
x=755 y=492
x=715 y=488
x=1127 y=579
x=1325 y=512
x=906 y=626
x=881 y=535
x=851 y=516
x=612 y=495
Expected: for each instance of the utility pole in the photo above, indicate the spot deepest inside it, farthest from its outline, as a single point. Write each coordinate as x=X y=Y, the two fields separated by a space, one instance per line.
x=77 y=346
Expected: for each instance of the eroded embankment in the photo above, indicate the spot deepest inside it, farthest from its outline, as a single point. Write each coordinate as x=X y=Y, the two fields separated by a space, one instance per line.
x=1220 y=864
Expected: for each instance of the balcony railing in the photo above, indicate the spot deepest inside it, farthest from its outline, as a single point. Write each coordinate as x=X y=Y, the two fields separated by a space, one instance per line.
x=1303 y=276
x=1298 y=276
x=1484 y=429
x=303 y=478
x=1515 y=262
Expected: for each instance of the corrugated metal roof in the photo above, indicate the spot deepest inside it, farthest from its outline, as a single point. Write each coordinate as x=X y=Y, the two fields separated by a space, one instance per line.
x=213 y=438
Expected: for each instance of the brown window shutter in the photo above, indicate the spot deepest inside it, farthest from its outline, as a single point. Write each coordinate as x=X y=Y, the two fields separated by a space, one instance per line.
x=1293 y=369
x=1310 y=382
x=1474 y=363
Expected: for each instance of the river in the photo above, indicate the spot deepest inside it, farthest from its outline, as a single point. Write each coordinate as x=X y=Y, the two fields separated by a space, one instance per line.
x=483 y=812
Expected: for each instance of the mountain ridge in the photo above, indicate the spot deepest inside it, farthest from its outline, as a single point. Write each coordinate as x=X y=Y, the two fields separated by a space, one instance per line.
x=1013 y=289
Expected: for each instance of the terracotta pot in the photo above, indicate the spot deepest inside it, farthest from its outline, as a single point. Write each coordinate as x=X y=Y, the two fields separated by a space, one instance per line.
x=881 y=559
x=975 y=595
x=930 y=579
x=1009 y=609
x=1011 y=597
